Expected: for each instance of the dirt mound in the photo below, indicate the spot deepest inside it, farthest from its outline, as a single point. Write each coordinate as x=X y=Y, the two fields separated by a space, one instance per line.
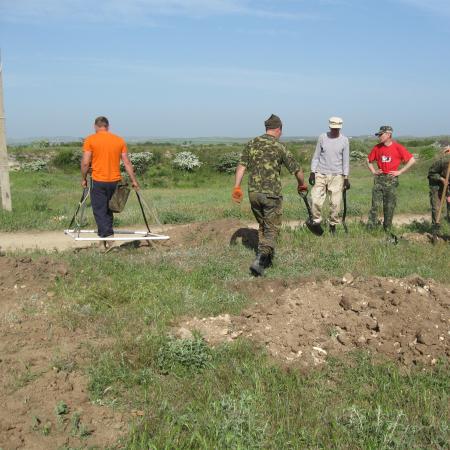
x=200 y=233
x=43 y=392
x=307 y=321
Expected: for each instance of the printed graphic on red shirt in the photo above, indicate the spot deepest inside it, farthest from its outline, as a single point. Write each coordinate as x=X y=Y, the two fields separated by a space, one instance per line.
x=388 y=158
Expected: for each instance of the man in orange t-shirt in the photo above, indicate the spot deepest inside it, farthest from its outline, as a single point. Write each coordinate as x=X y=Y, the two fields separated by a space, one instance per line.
x=103 y=152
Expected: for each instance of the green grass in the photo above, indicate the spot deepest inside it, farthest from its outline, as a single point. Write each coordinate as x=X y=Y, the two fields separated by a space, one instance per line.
x=47 y=200
x=234 y=395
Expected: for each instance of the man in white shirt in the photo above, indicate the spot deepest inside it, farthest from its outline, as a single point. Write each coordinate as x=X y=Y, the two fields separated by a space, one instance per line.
x=329 y=172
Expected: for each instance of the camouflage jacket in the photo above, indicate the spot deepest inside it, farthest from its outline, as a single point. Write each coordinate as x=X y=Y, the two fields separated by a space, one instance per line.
x=263 y=158
x=438 y=169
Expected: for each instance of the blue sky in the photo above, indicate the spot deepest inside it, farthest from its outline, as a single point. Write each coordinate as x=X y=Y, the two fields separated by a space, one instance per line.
x=190 y=68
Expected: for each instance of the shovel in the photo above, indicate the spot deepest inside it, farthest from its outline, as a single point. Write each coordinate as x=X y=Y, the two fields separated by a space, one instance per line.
x=344 y=213
x=315 y=228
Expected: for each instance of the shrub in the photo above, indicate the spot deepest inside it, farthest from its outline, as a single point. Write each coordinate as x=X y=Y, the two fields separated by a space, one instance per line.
x=37 y=165
x=141 y=162
x=67 y=158
x=227 y=163
x=186 y=161
x=427 y=152
x=358 y=150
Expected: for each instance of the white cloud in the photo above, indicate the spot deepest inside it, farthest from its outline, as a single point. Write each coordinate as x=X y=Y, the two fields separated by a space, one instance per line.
x=143 y=10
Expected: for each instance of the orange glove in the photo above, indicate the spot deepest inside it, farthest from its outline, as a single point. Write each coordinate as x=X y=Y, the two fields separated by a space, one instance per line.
x=237 y=195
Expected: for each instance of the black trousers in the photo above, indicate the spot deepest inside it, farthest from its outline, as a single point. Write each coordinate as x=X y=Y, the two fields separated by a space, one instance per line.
x=101 y=193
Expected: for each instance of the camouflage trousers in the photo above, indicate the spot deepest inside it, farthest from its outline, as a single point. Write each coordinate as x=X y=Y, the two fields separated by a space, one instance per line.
x=267 y=211
x=384 y=193
x=435 y=202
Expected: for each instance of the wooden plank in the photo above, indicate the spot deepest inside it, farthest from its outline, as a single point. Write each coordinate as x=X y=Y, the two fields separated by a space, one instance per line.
x=4 y=166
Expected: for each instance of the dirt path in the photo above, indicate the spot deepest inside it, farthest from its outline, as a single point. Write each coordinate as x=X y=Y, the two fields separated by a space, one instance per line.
x=56 y=240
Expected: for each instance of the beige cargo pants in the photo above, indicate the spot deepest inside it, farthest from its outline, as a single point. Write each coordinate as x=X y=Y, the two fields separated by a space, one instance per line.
x=333 y=184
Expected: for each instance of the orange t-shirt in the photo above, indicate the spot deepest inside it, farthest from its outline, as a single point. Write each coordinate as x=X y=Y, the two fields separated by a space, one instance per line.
x=106 y=149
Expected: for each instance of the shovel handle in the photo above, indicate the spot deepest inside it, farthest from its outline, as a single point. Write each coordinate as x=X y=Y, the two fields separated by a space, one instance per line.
x=304 y=196
x=444 y=195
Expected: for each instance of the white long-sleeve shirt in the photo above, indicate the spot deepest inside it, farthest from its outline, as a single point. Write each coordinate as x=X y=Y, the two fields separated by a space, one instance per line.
x=332 y=155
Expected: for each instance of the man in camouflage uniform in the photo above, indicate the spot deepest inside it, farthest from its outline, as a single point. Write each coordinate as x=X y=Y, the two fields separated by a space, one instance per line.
x=388 y=154
x=436 y=180
x=263 y=157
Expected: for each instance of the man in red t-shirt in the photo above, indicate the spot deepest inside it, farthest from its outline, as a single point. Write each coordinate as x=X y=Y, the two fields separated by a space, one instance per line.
x=389 y=155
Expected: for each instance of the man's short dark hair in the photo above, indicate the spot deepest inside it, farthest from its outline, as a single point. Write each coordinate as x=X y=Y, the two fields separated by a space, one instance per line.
x=102 y=121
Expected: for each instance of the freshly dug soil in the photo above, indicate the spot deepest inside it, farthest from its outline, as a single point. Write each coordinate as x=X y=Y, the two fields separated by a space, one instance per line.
x=305 y=322
x=40 y=366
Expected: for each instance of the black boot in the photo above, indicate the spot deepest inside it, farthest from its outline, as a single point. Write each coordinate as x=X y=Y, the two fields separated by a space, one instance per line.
x=268 y=261
x=257 y=267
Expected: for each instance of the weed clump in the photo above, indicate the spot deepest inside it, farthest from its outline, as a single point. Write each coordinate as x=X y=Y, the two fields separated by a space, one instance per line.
x=183 y=355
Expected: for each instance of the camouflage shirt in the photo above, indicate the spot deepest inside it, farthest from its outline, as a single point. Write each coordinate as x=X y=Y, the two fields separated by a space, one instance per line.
x=263 y=157
x=438 y=169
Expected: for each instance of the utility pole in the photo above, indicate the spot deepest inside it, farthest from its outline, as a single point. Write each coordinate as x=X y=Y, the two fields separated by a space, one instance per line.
x=4 y=166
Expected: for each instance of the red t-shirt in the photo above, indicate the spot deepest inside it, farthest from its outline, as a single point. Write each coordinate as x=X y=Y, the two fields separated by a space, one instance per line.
x=389 y=157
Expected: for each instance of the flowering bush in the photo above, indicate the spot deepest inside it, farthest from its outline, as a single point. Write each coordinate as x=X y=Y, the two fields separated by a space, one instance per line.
x=186 y=161
x=227 y=163
x=37 y=165
x=141 y=162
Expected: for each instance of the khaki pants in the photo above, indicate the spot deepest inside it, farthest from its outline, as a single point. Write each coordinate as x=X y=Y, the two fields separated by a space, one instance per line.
x=333 y=184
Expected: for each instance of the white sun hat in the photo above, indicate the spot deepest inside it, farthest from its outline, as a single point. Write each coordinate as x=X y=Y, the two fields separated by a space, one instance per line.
x=335 y=122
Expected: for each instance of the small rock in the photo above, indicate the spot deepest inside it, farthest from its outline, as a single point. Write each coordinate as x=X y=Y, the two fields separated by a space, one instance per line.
x=424 y=337
x=343 y=339
x=184 y=333
x=347 y=278
x=62 y=271
x=345 y=303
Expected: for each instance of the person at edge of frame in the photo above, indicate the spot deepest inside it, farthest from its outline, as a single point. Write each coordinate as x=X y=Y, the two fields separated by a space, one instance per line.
x=103 y=151
x=388 y=155
x=330 y=166
x=263 y=157
x=436 y=179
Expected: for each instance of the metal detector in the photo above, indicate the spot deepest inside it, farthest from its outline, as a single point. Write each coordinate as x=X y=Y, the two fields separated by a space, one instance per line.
x=76 y=232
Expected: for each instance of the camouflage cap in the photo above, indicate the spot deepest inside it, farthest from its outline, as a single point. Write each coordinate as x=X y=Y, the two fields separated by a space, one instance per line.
x=384 y=129
x=273 y=122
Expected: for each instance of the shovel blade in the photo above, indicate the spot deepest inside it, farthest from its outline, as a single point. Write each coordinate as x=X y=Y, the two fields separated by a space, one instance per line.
x=315 y=228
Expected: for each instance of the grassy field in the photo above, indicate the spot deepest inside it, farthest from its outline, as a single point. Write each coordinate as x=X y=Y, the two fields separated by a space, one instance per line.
x=234 y=395
x=46 y=200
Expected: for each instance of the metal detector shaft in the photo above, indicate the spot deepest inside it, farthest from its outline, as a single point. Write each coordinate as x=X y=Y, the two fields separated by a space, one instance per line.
x=82 y=199
x=142 y=210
